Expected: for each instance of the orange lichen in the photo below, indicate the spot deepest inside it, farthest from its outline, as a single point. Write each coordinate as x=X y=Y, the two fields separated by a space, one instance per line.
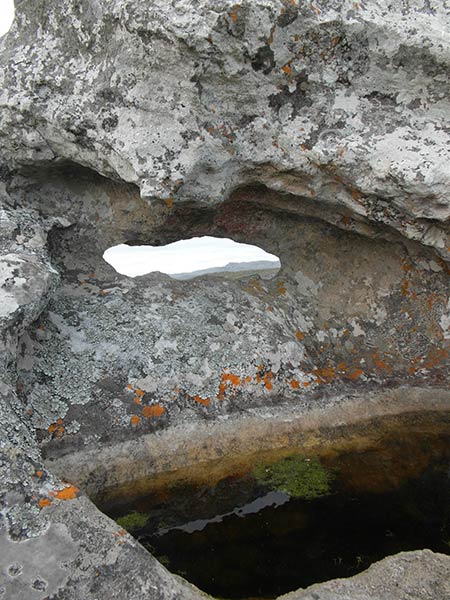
x=56 y=429
x=44 y=502
x=281 y=288
x=169 y=202
x=41 y=327
x=233 y=379
x=222 y=390
x=247 y=379
x=155 y=410
x=294 y=384
x=379 y=363
x=137 y=400
x=356 y=197
x=227 y=378
x=233 y=13
x=434 y=357
x=67 y=493
x=406 y=266
x=404 y=287
x=431 y=300
x=267 y=380
x=287 y=69
x=135 y=420
x=354 y=374
x=299 y=335
x=139 y=392
x=254 y=285
x=203 y=401
x=129 y=386
x=39 y=473
x=324 y=375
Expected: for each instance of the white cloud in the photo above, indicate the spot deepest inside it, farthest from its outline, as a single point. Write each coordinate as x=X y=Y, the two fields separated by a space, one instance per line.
x=184 y=256
x=6 y=15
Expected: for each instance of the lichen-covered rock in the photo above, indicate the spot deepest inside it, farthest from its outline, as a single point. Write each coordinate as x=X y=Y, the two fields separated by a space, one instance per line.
x=317 y=130
x=343 y=104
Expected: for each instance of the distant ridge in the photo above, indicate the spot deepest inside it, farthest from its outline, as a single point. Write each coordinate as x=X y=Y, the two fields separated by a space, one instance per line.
x=265 y=268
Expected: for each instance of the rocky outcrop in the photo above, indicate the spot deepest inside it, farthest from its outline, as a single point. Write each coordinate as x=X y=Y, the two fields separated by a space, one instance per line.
x=409 y=574
x=343 y=104
x=317 y=130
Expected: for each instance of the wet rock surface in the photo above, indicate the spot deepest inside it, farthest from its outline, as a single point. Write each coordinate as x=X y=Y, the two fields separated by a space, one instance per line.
x=317 y=131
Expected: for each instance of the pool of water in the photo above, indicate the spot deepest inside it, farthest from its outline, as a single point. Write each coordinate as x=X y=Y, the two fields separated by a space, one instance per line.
x=300 y=519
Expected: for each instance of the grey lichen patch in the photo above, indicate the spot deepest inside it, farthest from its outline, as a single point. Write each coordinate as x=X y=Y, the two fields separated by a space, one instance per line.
x=298 y=476
x=28 y=572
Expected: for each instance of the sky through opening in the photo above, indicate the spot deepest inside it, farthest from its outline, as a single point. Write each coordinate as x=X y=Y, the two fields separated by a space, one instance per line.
x=6 y=15
x=184 y=256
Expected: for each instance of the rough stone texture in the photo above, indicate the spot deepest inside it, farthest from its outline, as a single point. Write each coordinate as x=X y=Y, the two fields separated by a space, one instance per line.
x=317 y=130
x=342 y=103
x=406 y=576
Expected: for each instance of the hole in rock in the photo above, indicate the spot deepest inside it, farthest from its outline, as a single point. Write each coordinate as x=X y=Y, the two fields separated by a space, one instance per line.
x=194 y=257
x=6 y=16
x=293 y=519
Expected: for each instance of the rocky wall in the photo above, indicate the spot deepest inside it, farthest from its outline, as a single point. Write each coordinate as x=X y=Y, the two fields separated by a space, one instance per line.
x=316 y=130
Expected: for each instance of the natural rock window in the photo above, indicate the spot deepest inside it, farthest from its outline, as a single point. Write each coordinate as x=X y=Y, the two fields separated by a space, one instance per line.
x=191 y=258
x=6 y=16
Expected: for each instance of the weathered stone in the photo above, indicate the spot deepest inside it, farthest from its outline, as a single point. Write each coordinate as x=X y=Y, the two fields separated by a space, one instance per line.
x=343 y=104
x=315 y=130
x=422 y=574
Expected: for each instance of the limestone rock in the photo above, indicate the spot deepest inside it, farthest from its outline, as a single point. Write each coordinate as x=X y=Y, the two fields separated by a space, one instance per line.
x=421 y=574
x=318 y=130
x=343 y=104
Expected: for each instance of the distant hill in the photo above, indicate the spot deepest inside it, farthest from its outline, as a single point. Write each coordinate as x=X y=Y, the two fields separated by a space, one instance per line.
x=265 y=268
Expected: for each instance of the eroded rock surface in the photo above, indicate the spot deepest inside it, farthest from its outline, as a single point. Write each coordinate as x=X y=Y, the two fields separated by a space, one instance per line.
x=344 y=104
x=317 y=130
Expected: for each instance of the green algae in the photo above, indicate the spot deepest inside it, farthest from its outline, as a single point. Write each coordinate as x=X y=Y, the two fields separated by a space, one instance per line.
x=132 y=521
x=297 y=476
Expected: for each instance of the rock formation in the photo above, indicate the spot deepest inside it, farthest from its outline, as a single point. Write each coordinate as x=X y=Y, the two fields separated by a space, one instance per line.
x=317 y=130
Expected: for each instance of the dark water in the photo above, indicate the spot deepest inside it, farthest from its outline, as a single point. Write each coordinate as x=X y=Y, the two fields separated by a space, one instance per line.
x=241 y=539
